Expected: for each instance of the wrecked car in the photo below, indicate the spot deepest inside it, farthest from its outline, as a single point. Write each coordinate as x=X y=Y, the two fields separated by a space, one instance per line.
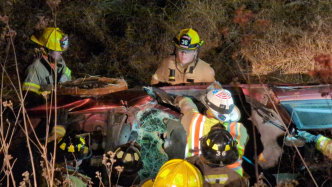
x=133 y=114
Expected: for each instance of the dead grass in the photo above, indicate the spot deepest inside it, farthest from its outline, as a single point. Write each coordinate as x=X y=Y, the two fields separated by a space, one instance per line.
x=290 y=42
x=288 y=50
x=129 y=38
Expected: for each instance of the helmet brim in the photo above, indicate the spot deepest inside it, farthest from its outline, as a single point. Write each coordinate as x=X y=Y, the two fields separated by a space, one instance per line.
x=193 y=47
x=184 y=48
x=35 y=39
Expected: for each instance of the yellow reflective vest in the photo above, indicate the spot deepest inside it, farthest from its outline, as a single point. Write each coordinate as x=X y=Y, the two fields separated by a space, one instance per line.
x=324 y=145
x=198 y=125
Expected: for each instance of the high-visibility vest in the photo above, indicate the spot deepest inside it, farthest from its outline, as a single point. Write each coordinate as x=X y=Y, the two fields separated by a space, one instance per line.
x=201 y=125
x=324 y=145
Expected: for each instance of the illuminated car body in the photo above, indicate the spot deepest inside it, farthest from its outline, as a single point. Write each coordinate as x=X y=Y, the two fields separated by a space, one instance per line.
x=114 y=113
x=298 y=103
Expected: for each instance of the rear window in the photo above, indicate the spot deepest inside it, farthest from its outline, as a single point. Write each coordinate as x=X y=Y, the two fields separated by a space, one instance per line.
x=310 y=114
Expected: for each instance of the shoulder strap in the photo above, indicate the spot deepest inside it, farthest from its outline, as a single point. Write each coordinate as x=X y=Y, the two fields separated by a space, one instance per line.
x=59 y=72
x=50 y=70
x=47 y=65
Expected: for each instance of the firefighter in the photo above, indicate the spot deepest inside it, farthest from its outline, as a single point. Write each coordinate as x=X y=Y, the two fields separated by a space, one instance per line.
x=323 y=144
x=218 y=150
x=176 y=172
x=127 y=156
x=184 y=67
x=41 y=74
x=70 y=153
x=220 y=109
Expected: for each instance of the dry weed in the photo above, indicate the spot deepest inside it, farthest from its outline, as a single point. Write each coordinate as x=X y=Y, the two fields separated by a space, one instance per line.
x=288 y=183
x=289 y=49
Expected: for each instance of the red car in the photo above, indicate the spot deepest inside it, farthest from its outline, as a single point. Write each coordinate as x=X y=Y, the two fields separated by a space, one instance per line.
x=134 y=115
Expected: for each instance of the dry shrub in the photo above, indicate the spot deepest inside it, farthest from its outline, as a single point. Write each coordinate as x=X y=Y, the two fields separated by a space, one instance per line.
x=130 y=38
x=288 y=48
x=323 y=68
x=288 y=183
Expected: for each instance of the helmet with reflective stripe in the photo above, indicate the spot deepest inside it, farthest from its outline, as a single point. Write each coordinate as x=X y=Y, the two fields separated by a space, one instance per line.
x=221 y=105
x=218 y=147
x=178 y=172
x=128 y=156
x=188 y=39
x=52 y=38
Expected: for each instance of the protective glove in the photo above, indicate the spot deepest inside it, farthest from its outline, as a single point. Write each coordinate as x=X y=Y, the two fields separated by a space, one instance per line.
x=175 y=138
x=309 y=138
x=47 y=87
x=160 y=95
x=149 y=91
x=63 y=121
x=291 y=140
x=177 y=100
x=57 y=132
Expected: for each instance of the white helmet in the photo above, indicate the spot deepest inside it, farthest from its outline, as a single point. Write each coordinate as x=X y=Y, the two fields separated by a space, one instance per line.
x=221 y=104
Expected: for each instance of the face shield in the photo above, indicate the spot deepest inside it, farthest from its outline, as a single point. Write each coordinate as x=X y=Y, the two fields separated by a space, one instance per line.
x=233 y=116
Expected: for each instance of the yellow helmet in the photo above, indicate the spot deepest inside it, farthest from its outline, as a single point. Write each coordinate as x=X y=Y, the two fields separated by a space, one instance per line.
x=188 y=39
x=52 y=38
x=178 y=172
x=147 y=183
